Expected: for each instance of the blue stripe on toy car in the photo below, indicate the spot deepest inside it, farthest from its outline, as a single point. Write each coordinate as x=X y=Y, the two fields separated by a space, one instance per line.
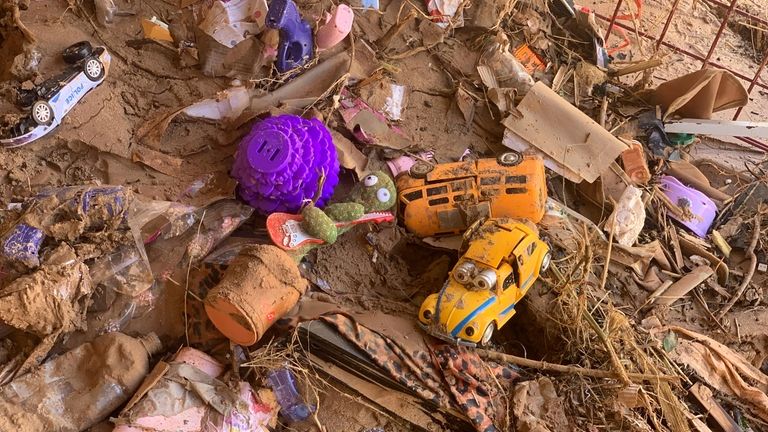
x=473 y=314
x=55 y=98
x=506 y=311
x=522 y=288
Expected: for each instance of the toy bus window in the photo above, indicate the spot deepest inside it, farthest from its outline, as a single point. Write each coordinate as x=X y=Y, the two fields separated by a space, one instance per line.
x=518 y=179
x=458 y=186
x=437 y=190
x=485 y=181
x=413 y=196
x=457 y=198
x=438 y=201
x=509 y=280
x=516 y=191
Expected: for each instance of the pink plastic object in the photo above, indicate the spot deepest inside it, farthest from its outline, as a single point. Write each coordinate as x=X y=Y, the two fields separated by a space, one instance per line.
x=404 y=163
x=337 y=26
x=195 y=418
x=200 y=360
x=699 y=211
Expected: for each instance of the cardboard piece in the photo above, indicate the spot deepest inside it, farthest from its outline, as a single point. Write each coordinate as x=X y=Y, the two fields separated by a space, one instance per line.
x=684 y=285
x=566 y=135
x=155 y=29
x=161 y=162
x=689 y=174
x=700 y=94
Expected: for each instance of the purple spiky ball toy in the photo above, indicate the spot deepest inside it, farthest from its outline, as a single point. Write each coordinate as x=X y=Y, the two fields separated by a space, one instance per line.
x=279 y=163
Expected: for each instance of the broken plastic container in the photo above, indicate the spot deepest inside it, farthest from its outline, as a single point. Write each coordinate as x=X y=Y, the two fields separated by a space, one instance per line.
x=337 y=26
x=635 y=164
x=279 y=164
x=81 y=387
x=697 y=211
x=292 y=406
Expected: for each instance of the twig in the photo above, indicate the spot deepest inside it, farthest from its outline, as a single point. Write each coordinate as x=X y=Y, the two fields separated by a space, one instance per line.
x=750 y=273
x=544 y=366
x=620 y=371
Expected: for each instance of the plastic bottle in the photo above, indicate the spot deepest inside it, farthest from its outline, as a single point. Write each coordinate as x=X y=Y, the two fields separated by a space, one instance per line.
x=291 y=405
x=78 y=389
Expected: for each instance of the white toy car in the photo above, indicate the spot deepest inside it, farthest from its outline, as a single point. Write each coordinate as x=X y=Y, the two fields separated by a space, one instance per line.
x=50 y=101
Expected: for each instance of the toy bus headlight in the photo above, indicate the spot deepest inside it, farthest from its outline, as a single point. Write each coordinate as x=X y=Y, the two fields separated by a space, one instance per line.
x=469 y=331
x=486 y=280
x=464 y=272
x=427 y=314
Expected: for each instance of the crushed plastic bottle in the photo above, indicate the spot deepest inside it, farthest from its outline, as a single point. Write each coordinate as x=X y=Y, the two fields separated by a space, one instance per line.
x=79 y=388
x=292 y=406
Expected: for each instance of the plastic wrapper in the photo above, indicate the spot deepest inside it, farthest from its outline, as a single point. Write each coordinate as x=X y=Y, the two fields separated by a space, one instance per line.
x=209 y=226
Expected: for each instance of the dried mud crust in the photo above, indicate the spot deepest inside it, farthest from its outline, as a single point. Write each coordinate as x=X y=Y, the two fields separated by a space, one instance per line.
x=392 y=276
x=136 y=90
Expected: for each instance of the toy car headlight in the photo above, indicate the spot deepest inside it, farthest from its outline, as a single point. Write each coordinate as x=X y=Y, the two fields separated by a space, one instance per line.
x=469 y=331
x=464 y=272
x=486 y=280
x=427 y=314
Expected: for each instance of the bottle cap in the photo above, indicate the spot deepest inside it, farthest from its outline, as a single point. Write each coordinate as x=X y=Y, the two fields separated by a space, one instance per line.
x=151 y=343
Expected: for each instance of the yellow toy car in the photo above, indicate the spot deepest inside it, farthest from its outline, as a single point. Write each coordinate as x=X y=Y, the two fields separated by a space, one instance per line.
x=503 y=260
x=446 y=199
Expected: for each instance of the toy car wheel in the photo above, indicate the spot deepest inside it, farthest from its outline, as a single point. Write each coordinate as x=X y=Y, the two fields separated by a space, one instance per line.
x=42 y=113
x=93 y=69
x=420 y=169
x=509 y=159
x=76 y=52
x=488 y=334
x=545 y=262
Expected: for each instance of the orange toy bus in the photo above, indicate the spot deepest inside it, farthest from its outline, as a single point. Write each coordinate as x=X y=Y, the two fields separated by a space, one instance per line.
x=446 y=199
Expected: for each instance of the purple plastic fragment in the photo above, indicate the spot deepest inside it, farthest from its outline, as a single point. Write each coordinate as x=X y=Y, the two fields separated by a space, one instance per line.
x=278 y=164
x=292 y=406
x=699 y=210
x=23 y=245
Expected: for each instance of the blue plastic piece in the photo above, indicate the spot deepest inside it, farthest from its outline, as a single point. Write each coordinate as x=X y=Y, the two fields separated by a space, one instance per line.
x=23 y=244
x=296 y=44
x=291 y=405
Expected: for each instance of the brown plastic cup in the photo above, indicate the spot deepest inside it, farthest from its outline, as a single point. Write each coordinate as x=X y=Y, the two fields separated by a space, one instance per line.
x=259 y=287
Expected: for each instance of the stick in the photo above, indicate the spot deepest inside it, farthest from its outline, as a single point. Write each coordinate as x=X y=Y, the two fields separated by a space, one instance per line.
x=750 y=273
x=639 y=67
x=620 y=371
x=544 y=366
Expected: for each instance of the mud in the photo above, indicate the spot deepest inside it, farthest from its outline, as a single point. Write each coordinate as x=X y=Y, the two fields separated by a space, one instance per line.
x=50 y=300
x=393 y=274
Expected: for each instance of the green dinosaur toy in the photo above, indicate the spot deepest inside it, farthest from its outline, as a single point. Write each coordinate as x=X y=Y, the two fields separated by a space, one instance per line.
x=375 y=192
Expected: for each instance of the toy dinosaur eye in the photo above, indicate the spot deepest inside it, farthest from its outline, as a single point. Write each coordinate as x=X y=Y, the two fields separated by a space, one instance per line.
x=383 y=195
x=370 y=180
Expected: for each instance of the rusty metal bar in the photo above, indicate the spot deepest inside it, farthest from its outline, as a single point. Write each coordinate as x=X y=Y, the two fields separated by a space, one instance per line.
x=613 y=20
x=686 y=52
x=723 y=24
x=754 y=81
x=738 y=11
x=666 y=24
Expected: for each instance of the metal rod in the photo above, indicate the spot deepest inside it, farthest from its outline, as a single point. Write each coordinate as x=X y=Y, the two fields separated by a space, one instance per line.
x=666 y=24
x=723 y=24
x=613 y=20
x=738 y=11
x=686 y=52
x=754 y=81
